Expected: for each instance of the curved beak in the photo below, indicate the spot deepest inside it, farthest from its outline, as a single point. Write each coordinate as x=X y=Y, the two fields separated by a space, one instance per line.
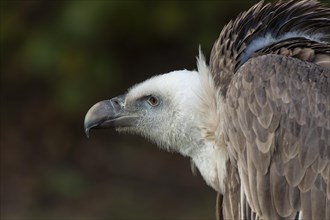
x=108 y=113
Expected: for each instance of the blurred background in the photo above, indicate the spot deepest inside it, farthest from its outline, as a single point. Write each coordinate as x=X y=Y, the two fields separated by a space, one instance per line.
x=58 y=58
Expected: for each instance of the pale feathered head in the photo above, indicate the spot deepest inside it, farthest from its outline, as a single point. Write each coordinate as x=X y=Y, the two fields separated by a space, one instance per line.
x=165 y=109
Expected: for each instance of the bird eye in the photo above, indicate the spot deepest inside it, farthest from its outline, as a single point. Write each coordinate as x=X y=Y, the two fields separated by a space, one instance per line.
x=153 y=101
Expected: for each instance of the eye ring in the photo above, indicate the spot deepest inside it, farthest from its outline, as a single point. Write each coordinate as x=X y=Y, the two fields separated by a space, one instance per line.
x=153 y=100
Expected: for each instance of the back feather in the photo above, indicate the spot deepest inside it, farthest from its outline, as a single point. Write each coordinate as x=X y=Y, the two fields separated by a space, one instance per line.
x=285 y=28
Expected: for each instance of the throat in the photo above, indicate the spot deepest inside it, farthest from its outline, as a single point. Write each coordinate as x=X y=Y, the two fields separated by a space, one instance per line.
x=211 y=162
x=208 y=154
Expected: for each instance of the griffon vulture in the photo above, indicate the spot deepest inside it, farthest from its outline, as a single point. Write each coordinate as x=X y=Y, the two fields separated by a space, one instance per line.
x=255 y=121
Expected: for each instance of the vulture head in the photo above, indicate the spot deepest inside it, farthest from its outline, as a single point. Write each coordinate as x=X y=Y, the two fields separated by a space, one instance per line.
x=162 y=109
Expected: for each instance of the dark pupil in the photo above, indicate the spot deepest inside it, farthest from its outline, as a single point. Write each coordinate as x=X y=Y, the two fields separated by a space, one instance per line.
x=152 y=100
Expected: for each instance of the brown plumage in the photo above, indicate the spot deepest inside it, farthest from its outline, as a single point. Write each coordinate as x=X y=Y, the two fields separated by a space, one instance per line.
x=277 y=102
x=284 y=161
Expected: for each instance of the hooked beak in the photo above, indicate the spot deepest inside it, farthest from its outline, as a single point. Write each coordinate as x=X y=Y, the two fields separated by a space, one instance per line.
x=109 y=113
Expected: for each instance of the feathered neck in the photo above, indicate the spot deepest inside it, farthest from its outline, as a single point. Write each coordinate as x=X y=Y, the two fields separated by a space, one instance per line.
x=262 y=26
x=212 y=158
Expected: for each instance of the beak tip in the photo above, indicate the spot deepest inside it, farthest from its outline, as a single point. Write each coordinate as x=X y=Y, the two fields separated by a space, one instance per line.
x=87 y=132
x=87 y=126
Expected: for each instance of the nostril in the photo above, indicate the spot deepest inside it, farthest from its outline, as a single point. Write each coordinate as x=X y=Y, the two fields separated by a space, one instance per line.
x=118 y=102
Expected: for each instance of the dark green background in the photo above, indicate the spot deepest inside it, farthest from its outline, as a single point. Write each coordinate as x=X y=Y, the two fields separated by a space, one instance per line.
x=58 y=58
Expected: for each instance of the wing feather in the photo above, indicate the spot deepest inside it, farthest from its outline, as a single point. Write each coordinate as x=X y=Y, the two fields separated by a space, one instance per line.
x=318 y=201
x=264 y=195
x=280 y=192
x=257 y=156
x=306 y=204
x=294 y=196
x=278 y=109
x=252 y=184
x=308 y=181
